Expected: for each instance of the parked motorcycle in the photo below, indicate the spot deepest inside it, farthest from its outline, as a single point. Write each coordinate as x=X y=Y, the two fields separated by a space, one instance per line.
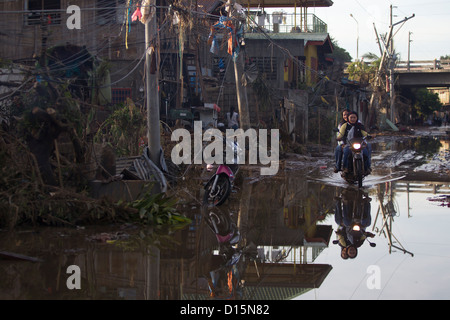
x=219 y=186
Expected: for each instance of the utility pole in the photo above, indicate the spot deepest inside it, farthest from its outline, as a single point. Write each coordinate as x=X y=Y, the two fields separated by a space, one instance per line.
x=151 y=82
x=409 y=50
x=388 y=56
x=241 y=91
x=378 y=39
x=357 y=37
x=391 y=70
x=391 y=20
x=392 y=62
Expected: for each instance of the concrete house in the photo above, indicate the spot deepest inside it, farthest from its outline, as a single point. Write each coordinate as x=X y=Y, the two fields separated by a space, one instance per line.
x=286 y=51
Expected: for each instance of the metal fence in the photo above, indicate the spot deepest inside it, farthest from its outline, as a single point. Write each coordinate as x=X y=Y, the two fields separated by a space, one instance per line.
x=281 y=22
x=423 y=65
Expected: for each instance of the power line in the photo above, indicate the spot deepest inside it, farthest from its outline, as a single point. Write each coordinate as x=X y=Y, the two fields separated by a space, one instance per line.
x=105 y=44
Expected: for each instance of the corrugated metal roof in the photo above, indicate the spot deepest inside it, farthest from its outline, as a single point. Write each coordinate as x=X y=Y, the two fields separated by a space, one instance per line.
x=12 y=76
x=320 y=39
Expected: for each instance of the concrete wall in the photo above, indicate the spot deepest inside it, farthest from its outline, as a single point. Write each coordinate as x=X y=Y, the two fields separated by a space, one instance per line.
x=258 y=45
x=106 y=40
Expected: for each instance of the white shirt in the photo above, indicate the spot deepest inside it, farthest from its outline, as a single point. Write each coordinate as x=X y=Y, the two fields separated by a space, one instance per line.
x=233 y=120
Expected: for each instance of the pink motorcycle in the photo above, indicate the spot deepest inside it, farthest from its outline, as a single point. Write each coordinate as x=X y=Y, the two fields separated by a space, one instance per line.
x=219 y=186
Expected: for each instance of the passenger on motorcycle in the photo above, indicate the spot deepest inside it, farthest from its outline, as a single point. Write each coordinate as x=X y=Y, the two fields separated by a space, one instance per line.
x=342 y=136
x=338 y=151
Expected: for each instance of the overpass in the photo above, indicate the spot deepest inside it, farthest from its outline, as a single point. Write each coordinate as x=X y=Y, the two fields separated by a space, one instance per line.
x=432 y=73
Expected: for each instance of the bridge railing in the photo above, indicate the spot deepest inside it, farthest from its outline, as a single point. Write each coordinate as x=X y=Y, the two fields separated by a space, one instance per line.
x=423 y=65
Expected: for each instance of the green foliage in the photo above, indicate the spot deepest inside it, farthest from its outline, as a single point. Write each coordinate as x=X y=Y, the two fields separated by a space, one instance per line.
x=339 y=54
x=159 y=209
x=426 y=102
x=4 y=63
x=123 y=129
x=363 y=72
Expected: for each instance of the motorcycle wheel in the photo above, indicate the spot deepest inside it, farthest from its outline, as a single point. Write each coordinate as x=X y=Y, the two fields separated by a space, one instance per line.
x=359 y=172
x=220 y=194
x=220 y=222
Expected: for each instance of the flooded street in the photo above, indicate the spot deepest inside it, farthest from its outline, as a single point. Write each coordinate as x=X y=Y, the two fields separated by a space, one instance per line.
x=296 y=223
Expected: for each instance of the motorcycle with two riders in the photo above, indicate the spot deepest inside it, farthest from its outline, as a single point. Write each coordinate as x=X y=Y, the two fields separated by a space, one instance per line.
x=356 y=151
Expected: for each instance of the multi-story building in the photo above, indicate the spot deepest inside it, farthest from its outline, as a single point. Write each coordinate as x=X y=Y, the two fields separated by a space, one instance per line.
x=286 y=52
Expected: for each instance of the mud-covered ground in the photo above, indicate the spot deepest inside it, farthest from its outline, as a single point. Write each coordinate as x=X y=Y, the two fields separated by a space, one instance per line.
x=421 y=154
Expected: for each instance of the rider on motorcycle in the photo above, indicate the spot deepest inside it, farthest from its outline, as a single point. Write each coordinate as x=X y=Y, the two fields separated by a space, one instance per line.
x=342 y=136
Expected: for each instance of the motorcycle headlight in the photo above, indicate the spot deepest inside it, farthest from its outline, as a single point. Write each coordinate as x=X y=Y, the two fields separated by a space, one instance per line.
x=357 y=146
x=356 y=228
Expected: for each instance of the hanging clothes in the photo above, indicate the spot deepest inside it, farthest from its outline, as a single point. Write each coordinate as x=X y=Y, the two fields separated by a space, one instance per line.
x=137 y=15
x=227 y=24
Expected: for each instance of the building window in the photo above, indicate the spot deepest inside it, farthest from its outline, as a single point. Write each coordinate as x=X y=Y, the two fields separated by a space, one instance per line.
x=43 y=12
x=266 y=66
x=119 y=95
x=110 y=12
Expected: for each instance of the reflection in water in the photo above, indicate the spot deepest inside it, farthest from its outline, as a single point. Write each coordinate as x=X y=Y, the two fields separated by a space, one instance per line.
x=387 y=211
x=429 y=154
x=352 y=217
x=229 y=262
x=426 y=146
x=281 y=219
x=284 y=231
x=108 y=271
x=285 y=220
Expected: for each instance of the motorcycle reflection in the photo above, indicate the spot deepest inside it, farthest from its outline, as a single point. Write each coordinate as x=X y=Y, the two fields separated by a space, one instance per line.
x=352 y=215
x=229 y=262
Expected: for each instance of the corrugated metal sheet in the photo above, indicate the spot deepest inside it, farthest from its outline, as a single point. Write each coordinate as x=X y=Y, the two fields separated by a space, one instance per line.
x=10 y=76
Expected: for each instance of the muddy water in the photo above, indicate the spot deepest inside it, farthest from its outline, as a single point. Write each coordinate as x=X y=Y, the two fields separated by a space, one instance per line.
x=292 y=219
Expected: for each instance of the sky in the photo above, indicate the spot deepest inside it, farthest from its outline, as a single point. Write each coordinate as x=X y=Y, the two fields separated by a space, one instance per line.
x=424 y=276
x=430 y=26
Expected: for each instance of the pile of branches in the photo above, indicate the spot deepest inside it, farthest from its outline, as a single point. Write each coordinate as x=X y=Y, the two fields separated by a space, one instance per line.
x=26 y=200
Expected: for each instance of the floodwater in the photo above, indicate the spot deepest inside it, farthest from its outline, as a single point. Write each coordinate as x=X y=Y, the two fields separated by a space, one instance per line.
x=292 y=219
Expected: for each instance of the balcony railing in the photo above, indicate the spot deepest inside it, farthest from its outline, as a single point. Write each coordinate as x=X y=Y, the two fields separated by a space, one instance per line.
x=281 y=22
